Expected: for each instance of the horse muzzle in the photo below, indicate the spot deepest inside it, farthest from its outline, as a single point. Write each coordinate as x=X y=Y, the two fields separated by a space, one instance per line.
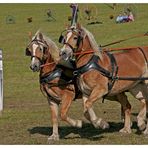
x=65 y=55
x=35 y=67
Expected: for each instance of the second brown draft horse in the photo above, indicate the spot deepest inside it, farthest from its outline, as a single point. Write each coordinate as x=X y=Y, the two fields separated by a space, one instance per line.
x=53 y=80
x=102 y=73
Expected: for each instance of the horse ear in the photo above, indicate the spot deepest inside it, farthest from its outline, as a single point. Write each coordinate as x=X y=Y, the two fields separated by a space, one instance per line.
x=40 y=36
x=78 y=26
x=30 y=35
x=67 y=26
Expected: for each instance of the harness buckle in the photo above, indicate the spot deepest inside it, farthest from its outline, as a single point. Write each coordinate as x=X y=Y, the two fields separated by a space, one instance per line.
x=75 y=73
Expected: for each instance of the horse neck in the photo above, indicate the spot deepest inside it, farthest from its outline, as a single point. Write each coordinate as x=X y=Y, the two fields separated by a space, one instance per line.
x=48 y=67
x=83 y=58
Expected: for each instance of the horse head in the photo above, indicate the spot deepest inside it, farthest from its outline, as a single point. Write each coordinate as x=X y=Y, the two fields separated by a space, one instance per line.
x=72 y=39
x=37 y=49
x=77 y=39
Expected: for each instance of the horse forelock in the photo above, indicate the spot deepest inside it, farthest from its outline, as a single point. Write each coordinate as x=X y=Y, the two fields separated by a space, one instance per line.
x=93 y=42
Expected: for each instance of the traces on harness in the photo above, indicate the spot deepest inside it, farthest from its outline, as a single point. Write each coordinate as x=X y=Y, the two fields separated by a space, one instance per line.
x=114 y=71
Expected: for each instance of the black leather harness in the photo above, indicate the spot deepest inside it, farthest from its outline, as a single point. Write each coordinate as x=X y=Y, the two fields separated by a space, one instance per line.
x=46 y=80
x=54 y=74
x=111 y=75
x=58 y=73
x=93 y=64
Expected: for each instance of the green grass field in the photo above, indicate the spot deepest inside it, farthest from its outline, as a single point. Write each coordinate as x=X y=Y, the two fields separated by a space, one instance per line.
x=26 y=115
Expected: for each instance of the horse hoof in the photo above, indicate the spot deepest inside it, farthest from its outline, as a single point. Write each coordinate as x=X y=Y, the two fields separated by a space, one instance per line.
x=142 y=127
x=79 y=123
x=104 y=125
x=145 y=132
x=100 y=123
x=53 y=138
x=125 y=130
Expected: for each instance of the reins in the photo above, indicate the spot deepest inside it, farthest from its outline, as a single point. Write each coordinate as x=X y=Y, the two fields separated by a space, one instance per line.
x=76 y=53
x=84 y=52
x=119 y=41
x=47 y=64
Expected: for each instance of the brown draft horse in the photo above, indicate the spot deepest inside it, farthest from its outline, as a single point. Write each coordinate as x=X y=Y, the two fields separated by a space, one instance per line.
x=98 y=72
x=44 y=56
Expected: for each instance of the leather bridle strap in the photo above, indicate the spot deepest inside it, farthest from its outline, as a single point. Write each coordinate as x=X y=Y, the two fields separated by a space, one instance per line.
x=37 y=58
x=73 y=49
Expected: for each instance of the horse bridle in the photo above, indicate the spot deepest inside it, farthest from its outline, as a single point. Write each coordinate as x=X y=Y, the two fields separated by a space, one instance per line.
x=38 y=42
x=80 y=38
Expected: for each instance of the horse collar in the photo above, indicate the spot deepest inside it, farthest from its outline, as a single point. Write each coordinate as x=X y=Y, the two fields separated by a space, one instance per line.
x=54 y=74
x=93 y=64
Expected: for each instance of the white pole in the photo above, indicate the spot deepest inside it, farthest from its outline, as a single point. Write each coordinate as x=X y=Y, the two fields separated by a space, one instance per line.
x=1 y=82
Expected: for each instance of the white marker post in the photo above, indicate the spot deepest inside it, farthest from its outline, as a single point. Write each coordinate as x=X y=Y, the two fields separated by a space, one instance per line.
x=1 y=82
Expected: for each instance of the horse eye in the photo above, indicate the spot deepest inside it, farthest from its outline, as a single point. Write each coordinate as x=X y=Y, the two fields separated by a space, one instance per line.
x=75 y=38
x=41 y=49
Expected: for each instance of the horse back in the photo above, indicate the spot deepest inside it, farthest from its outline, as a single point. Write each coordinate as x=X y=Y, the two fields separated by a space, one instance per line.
x=132 y=62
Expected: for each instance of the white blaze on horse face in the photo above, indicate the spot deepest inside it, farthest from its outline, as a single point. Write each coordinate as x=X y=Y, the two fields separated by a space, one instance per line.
x=34 y=47
x=67 y=49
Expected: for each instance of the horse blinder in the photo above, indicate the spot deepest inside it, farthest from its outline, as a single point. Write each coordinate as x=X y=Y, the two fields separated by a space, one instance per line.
x=44 y=50
x=28 y=53
x=79 y=40
x=61 y=39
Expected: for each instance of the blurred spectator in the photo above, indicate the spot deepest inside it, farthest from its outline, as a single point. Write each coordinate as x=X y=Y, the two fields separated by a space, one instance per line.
x=125 y=18
x=131 y=16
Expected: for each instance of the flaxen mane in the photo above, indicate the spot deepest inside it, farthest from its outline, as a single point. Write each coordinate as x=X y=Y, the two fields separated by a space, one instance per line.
x=53 y=49
x=93 y=42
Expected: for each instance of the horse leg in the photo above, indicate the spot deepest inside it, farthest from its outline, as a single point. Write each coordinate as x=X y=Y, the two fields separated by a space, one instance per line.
x=126 y=107
x=91 y=116
x=96 y=93
x=86 y=113
x=97 y=122
x=146 y=130
x=65 y=105
x=139 y=93
x=54 y=119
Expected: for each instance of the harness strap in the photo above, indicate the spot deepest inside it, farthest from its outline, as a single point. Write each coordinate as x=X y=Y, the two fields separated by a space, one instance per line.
x=141 y=49
x=92 y=64
x=54 y=74
x=51 y=76
x=114 y=71
x=57 y=101
x=46 y=79
x=112 y=76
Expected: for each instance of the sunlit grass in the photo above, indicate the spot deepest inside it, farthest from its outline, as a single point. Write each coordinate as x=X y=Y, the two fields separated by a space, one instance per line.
x=26 y=116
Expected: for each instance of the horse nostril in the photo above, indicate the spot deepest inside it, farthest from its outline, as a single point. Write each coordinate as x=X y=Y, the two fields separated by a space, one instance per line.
x=62 y=53
x=31 y=67
x=34 y=68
